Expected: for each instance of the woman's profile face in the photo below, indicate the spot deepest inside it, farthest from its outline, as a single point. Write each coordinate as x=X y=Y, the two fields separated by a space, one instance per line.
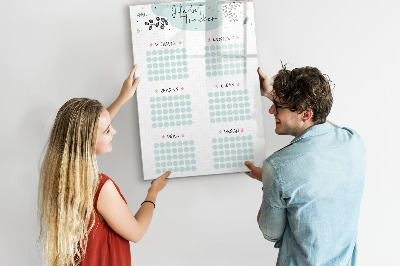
x=105 y=133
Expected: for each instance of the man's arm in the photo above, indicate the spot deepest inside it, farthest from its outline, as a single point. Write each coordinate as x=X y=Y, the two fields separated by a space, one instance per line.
x=272 y=217
x=127 y=91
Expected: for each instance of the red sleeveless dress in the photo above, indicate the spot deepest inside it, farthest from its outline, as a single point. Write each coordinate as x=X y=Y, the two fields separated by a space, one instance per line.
x=105 y=247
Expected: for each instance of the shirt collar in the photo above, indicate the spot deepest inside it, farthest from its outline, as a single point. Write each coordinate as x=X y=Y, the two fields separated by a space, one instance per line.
x=314 y=131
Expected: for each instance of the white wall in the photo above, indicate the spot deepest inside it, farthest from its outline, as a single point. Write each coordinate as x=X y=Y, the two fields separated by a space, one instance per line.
x=51 y=51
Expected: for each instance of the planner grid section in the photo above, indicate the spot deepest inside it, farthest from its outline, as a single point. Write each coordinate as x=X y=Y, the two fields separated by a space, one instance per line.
x=175 y=156
x=167 y=64
x=229 y=106
x=231 y=152
x=171 y=111
x=225 y=59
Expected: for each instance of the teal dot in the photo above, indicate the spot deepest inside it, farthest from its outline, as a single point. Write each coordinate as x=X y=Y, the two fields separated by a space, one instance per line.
x=222 y=165
x=174 y=76
x=206 y=48
x=212 y=47
x=212 y=120
x=148 y=59
x=250 y=144
x=251 y=156
x=218 y=120
x=208 y=74
x=183 y=50
x=185 y=76
x=226 y=72
x=184 y=56
x=216 y=166
x=154 y=59
x=148 y=53
x=244 y=71
x=150 y=79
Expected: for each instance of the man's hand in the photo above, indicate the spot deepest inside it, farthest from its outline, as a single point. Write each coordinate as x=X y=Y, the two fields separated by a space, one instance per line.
x=265 y=87
x=256 y=172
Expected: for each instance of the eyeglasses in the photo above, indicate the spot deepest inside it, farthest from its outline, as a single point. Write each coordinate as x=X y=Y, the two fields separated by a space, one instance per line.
x=278 y=106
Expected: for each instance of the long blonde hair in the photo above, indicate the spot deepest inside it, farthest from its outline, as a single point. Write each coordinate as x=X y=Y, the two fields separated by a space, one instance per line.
x=68 y=182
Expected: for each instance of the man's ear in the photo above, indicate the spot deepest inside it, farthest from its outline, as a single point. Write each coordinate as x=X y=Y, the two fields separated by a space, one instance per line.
x=306 y=115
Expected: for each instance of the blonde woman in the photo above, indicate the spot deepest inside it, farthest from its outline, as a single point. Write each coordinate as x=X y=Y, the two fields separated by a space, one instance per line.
x=84 y=219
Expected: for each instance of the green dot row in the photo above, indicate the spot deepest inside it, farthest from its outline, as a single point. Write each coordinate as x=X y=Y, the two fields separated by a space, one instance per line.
x=230 y=165
x=225 y=66
x=244 y=157
x=174 y=144
x=225 y=53
x=231 y=139
x=170 y=104
x=167 y=71
x=221 y=60
x=175 y=163
x=233 y=146
x=170 y=117
x=229 y=100
x=230 y=119
x=166 y=51
x=168 y=77
x=230 y=112
x=174 y=150
x=226 y=72
x=166 y=58
x=173 y=123
x=167 y=64
x=228 y=93
x=176 y=169
x=224 y=46
x=229 y=106
x=172 y=111
x=175 y=156
x=170 y=98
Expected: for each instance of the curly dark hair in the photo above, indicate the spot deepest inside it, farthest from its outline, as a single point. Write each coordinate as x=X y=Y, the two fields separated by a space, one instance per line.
x=304 y=88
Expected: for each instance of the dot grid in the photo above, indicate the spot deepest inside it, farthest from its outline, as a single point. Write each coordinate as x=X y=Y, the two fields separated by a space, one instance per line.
x=167 y=64
x=231 y=152
x=229 y=106
x=171 y=111
x=226 y=59
x=175 y=156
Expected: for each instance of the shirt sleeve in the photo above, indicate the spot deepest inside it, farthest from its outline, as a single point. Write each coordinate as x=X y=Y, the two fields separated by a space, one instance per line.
x=272 y=221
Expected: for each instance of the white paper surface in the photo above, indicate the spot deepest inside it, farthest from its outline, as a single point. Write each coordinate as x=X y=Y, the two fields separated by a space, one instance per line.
x=199 y=103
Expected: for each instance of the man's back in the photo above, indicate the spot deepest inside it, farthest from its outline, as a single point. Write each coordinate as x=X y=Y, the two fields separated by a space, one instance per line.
x=313 y=188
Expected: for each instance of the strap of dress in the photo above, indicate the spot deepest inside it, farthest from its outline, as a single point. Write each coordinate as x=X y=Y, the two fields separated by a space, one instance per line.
x=103 y=179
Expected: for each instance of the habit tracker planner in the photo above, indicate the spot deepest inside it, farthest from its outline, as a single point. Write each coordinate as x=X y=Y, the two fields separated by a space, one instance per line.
x=198 y=100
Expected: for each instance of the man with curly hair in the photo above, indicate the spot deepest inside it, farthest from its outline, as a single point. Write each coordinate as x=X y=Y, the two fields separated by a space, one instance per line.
x=312 y=187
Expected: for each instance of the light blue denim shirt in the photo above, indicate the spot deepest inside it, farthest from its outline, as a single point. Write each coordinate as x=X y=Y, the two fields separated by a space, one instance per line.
x=311 y=197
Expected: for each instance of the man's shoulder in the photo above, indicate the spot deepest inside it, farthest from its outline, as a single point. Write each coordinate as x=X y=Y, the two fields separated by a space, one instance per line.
x=299 y=147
